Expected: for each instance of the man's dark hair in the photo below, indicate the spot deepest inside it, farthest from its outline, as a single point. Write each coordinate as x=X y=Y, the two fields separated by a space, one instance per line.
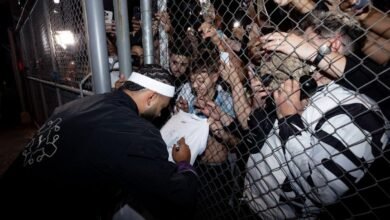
x=207 y=60
x=153 y=71
x=329 y=24
x=180 y=49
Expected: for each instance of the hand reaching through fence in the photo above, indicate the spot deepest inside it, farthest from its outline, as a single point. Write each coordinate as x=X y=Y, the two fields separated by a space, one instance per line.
x=302 y=6
x=209 y=31
x=333 y=5
x=164 y=19
x=288 y=43
x=230 y=74
x=333 y=62
x=120 y=81
x=211 y=110
x=181 y=104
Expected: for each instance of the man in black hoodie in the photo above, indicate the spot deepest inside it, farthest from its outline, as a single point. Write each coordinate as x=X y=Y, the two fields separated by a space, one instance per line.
x=96 y=154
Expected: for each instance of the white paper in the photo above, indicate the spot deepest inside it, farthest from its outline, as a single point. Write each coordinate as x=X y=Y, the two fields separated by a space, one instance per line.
x=195 y=130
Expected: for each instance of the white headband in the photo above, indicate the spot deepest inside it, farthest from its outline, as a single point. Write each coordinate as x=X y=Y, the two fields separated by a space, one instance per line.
x=152 y=84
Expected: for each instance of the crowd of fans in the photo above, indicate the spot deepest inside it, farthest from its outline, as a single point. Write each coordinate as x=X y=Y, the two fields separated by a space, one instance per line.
x=296 y=93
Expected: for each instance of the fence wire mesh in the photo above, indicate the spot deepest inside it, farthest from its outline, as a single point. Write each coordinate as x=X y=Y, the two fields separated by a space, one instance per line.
x=296 y=93
x=54 y=43
x=293 y=134
x=53 y=46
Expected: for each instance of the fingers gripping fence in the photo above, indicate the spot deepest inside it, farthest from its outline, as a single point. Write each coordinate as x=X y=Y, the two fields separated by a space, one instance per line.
x=295 y=93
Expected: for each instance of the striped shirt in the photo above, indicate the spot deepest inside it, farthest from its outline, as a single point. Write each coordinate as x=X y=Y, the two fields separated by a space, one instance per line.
x=311 y=160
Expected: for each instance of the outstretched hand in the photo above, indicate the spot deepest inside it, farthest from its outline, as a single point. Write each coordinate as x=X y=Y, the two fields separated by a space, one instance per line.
x=208 y=108
x=209 y=31
x=164 y=19
x=120 y=81
x=290 y=44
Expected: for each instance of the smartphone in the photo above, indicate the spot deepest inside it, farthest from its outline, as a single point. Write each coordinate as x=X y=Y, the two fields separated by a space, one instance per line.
x=137 y=12
x=224 y=56
x=308 y=86
x=108 y=17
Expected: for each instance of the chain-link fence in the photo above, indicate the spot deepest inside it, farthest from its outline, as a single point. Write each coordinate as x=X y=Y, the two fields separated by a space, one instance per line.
x=53 y=41
x=295 y=92
x=291 y=90
x=71 y=55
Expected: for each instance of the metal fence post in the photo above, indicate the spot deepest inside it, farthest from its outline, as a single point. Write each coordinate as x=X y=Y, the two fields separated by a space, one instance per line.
x=163 y=38
x=122 y=37
x=97 y=46
x=147 y=33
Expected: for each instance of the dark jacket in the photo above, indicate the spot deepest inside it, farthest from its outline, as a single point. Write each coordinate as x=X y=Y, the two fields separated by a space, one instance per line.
x=91 y=156
x=368 y=78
